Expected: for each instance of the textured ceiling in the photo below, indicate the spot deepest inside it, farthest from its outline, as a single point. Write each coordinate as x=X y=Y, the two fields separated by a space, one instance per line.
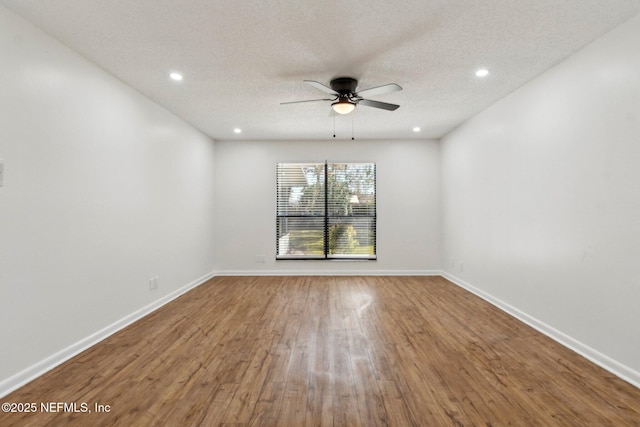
x=240 y=59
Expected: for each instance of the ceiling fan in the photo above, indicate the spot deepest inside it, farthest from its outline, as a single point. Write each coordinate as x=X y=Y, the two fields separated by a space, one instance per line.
x=345 y=98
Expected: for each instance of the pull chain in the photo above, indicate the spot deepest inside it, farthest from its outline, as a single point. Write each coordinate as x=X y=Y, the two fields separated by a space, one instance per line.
x=352 y=128
x=334 y=125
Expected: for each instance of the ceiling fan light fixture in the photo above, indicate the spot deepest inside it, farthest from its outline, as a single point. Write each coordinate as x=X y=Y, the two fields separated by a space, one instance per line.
x=343 y=106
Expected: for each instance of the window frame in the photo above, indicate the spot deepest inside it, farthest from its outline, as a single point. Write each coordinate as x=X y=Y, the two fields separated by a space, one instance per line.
x=327 y=218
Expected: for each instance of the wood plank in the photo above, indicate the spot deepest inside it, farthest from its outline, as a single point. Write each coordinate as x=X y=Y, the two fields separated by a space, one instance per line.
x=395 y=405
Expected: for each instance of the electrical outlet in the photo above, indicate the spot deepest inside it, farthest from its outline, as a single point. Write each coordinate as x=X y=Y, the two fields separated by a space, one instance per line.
x=461 y=266
x=153 y=283
x=260 y=259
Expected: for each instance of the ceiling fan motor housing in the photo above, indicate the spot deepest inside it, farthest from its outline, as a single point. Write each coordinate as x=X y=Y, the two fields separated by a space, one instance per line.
x=344 y=85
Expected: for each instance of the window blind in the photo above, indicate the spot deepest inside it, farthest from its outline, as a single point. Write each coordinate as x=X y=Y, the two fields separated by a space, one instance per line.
x=326 y=211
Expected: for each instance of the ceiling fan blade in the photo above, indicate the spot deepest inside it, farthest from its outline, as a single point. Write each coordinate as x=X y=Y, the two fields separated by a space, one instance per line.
x=379 y=90
x=321 y=87
x=308 y=100
x=378 y=104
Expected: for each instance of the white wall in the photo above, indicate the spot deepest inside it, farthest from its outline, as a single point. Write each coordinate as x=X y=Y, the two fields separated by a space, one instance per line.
x=541 y=201
x=103 y=190
x=408 y=210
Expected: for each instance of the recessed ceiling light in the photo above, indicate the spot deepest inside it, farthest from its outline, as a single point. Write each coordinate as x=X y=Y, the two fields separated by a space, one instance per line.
x=237 y=130
x=482 y=72
x=416 y=129
x=176 y=76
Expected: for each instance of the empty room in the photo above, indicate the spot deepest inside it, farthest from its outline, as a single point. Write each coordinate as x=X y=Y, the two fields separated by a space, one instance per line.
x=319 y=213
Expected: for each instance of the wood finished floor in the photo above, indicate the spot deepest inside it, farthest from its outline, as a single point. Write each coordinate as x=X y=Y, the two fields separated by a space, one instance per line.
x=330 y=351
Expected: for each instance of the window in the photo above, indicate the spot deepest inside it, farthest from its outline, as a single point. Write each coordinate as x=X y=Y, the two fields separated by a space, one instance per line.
x=326 y=211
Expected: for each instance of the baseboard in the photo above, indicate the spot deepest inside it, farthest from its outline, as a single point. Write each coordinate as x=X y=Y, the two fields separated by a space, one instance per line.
x=25 y=376
x=291 y=272
x=618 y=369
